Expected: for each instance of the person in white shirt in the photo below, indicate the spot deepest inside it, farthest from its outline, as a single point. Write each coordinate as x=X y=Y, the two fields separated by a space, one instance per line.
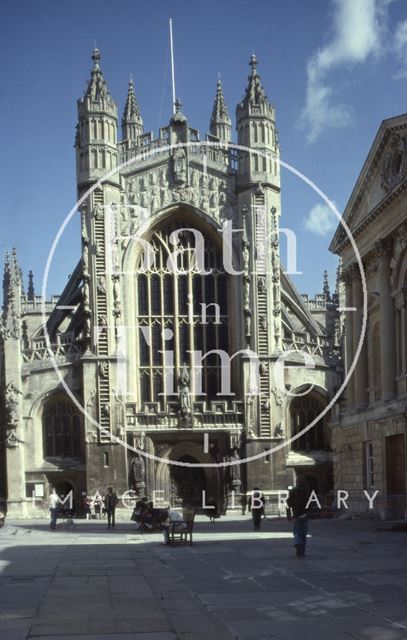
x=54 y=502
x=174 y=519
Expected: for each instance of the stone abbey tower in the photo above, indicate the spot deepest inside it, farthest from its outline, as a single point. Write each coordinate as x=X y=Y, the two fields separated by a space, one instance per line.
x=167 y=336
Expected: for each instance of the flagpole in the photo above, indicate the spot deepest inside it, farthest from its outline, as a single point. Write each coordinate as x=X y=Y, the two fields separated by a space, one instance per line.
x=172 y=68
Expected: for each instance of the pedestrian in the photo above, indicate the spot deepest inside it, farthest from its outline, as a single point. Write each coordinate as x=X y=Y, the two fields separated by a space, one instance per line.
x=54 y=504
x=257 y=507
x=103 y=507
x=87 y=507
x=97 y=504
x=297 y=503
x=212 y=510
x=111 y=501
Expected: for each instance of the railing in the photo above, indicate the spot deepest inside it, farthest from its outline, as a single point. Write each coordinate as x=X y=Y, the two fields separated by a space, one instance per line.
x=65 y=347
x=150 y=148
x=37 y=304
x=299 y=342
x=204 y=415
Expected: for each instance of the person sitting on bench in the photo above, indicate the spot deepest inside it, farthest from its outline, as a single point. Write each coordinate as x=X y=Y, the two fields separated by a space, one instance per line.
x=175 y=520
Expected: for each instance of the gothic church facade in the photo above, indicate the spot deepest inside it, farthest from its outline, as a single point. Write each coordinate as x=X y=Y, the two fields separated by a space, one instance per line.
x=164 y=345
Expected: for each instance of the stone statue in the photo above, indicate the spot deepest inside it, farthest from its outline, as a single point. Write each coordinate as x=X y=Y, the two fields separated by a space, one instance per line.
x=85 y=260
x=103 y=369
x=101 y=285
x=138 y=473
x=85 y=237
x=279 y=430
x=179 y=165
x=184 y=399
x=246 y=256
x=116 y=295
x=98 y=211
x=246 y=293
x=11 y=397
x=86 y=304
x=248 y=323
x=234 y=470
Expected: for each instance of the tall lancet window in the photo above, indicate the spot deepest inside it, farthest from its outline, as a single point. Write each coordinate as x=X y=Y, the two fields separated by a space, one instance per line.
x=182 y=308
x=304 y=410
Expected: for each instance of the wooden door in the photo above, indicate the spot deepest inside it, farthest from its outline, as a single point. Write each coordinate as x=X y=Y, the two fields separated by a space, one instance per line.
x=395 y=465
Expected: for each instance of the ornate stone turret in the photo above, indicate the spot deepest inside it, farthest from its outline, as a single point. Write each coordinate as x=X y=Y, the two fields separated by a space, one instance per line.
x=259 y=205
x=255 y=120
x=96 y=132
x=220 y=125
x=132 y=122
x=97 y=155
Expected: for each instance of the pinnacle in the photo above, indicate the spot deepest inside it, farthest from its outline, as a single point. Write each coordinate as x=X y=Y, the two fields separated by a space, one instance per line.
x=220 y=113
x=131 y=110
x=326 y=289
x=97 y=87
x=254 y=92
x=178 y=115
x=30 y=291
x=96 y=56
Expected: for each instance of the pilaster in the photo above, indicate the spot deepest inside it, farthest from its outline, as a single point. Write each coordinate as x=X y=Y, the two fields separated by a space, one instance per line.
x=387 y=323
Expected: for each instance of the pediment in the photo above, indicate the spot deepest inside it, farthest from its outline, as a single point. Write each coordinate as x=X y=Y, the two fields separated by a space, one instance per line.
x=384 y=170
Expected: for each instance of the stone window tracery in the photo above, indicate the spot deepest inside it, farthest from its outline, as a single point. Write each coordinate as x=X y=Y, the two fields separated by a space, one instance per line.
x=170 y=315
x=303 y=410
x=62 y=429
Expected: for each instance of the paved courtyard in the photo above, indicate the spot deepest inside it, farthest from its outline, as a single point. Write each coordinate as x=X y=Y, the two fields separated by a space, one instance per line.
x=233 y=583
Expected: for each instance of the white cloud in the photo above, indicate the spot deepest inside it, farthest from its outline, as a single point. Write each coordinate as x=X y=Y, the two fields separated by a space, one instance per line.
x=321 y=220
x=400 y=47
x=358 y=30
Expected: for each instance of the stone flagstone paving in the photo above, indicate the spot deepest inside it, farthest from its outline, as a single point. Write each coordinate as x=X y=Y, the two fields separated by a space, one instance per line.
x=233 y=583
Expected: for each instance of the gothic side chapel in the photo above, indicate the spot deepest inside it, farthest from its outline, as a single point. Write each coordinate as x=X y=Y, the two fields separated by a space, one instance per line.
x=126 y=327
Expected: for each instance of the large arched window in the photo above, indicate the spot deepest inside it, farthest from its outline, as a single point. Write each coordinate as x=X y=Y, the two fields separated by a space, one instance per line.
x=181 y=309
x=62 y=428
x=303 y=410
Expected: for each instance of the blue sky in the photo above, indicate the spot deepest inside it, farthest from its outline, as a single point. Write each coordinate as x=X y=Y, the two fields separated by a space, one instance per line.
x=333 y=69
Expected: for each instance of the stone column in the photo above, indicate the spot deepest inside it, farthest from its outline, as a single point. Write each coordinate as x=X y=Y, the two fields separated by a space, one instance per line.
x=350 y=395
x=400 y=323
x=361 y=370
x=387 y=323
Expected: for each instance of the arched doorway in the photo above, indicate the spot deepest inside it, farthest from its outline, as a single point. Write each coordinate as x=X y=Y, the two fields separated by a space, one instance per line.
x=179 y=484
x=304 y=409
x=187 y=483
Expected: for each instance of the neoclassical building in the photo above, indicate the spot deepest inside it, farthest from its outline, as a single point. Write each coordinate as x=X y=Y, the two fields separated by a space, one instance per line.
x=369 y=431
x=166 y=344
